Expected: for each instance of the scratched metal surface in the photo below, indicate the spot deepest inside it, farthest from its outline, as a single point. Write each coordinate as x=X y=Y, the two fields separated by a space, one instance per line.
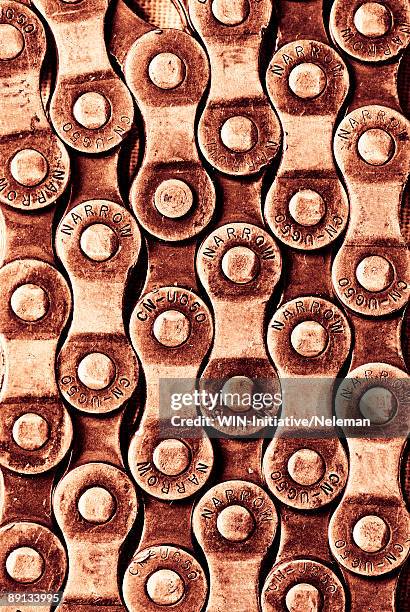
x=273 y=136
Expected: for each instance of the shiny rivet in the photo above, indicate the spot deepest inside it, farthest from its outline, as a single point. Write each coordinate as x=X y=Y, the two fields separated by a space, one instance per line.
x=239 y=134
x=378 y=404
x=303 y=597
x=29 y=302
x=373 y=19
x=307 y=207
x=96 y=371
x=99 y=242
x=92 y=110
x=306 y=466
x=166 y=70
x=165 y=587
x=374 y=273
x=309 y=338
x=30 y=431
x=171 y=457
x=235 y=523
x=307 y=80
x=29 y=167
x=173 y=198
x=234 y=390
x=171 y=328
x=25 y=564
x=240 y=264
x=375 y=146
x=96 y=505
x=11 y=41
x=230 y=12
x=371 y=533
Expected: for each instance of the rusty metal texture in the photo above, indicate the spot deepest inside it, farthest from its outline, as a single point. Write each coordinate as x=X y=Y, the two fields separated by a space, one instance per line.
x=210 y=193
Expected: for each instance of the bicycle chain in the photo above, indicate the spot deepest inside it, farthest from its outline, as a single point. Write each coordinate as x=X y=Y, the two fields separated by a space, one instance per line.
x=309 y=336
x=173 y=198
x=36 y=428
x=367 y=540
x=222 y=234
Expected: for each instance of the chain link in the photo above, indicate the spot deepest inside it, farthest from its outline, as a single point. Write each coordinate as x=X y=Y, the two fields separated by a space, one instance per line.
x=267 y=176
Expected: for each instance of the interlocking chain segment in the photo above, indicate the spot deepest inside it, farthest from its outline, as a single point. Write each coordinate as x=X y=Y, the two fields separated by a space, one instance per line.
x=172 y=195
x=39 y=299
x=233 y=225
x=368 y=533
x=238 y=131
x=98 y=242
x=171 y=327
x=235 y=523
x=307 y=82
x=95 y=506
x=239 y=265
x=34 y=164
x=370 y=150
x=91 y=108
x=172 y=322
x=35 y=430
x=308 y=337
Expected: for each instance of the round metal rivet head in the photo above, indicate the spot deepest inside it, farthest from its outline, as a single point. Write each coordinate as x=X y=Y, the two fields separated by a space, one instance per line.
x=307 y=80
x=309 y=338
x=378 y=404
x=166 y=70
x=29 y=302
x=96 y=371
x=173 y=198
x=171 y=328
x=371 y=533
x=165 y=587
x=307 y=207
x=373 y=19
x=171 y=457
x=230 y=12
x=303 y=597
x=240 y=264
x=30 y=431
x=25 y=564
x=235 y=523
x=375 y=146
x=92 y=110
x=96 y=505
x=306 y=466
x=29 y=167
x=239 y=134
x=99 y=242
x=374 y=273
x=11 y=41
x=234 y=391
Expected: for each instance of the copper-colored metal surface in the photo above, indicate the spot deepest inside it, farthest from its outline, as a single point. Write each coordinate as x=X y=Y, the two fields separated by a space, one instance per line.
x=211 y=209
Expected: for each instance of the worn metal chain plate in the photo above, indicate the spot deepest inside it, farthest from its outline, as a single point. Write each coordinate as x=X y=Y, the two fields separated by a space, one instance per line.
x=212 y=193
